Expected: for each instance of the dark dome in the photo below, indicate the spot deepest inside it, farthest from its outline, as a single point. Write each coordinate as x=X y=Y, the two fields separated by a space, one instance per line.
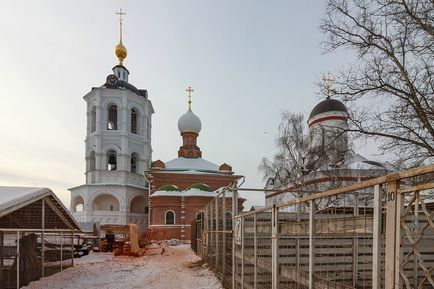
x=328 y=105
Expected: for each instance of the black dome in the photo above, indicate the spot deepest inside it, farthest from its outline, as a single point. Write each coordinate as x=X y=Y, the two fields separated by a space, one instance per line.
x=328 y=105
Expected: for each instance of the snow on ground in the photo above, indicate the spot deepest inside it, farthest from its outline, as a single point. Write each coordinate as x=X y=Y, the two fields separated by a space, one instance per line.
x=175 y=268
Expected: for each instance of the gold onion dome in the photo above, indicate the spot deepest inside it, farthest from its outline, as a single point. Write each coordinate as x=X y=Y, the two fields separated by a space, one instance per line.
x=121 y=52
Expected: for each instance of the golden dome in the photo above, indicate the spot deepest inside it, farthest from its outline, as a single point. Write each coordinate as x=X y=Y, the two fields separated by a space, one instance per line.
x=121 y=52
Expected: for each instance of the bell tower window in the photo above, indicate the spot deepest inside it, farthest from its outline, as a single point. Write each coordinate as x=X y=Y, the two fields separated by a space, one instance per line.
x=93 y=120
x=112 y=123
x=92 y=161
x=133 y=121
x=134 y=162
x=111 y=160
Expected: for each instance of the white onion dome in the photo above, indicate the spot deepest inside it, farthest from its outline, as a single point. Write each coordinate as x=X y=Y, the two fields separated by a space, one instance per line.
x=189 y=122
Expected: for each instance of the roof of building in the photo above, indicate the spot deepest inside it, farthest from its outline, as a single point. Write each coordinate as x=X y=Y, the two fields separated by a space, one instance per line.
x=327 y=105
x=199 y=190
x=196 y=164
x=15 y=198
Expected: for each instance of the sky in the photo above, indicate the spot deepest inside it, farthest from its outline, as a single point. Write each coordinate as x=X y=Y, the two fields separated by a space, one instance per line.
x=247 y=60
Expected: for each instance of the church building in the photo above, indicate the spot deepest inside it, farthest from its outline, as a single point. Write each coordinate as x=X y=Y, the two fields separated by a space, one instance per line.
x=117 y=151
x=181 y=187
x=330 y=163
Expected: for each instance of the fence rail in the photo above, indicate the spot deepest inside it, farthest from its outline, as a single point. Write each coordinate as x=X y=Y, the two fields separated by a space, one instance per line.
x=373 y=234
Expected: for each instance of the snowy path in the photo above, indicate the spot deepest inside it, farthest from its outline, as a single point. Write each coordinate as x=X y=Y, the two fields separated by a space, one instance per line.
x=170 y=270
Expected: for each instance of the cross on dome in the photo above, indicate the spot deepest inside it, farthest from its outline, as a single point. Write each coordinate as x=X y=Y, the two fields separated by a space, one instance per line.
x=189 y=90
x=328 y=80
x=120 y=49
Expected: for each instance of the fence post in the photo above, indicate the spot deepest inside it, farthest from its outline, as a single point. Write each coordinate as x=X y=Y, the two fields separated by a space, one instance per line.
x=43 y=238
x=217 y=234
x=224 y=235
x=376 y=236
x=61 y=250
x=18 y=259
x=311 y=243
x=255 y=252
x=234 y=213
x=242 y=253
x=274 y=249
x=393 y=216
x=355 y=241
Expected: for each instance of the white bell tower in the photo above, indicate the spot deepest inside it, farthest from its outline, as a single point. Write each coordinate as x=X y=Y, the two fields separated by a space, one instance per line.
x=118 y=151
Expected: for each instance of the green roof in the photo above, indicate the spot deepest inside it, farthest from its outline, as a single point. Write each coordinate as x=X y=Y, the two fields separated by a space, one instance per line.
x=169 y=188
x=202 y=187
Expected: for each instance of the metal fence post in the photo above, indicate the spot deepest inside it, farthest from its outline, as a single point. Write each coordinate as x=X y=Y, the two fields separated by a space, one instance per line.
x=61 y=250
x=255 y=252
x=274 y=249
x=376 y=236
x=242 y=253
x=355 y=241
x=392 y=251
x=217 y=233
x=234 y=213
x=224 y=234
x=43 y=238
x=311 y=243
x=18 y=259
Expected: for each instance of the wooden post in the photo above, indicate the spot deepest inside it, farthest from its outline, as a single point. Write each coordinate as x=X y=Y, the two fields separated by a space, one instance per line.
x=311 y=243
x=392 y=222
x=255 y=252
x=376 y=236
x=274 y=249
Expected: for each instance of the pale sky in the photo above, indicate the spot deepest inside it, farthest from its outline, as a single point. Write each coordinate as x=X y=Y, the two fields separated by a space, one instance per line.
x=247 y=61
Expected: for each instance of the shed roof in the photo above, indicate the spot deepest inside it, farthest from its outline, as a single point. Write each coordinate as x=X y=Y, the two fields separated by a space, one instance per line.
x=15 y=200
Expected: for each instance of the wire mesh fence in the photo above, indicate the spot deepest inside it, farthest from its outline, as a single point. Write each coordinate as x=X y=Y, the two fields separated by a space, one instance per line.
x=373 y=234
x=27 y=255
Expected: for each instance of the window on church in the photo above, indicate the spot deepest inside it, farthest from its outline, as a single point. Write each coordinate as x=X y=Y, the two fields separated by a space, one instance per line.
x=111 y=160
x=134 y=121
x=112 y=118
x=92 y=161
x=134 y=159
x=93 y=120
x=170 y=218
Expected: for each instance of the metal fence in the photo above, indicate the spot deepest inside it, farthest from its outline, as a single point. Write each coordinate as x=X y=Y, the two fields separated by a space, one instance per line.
x=214 y=237
x=373 y=234
x=27 y=255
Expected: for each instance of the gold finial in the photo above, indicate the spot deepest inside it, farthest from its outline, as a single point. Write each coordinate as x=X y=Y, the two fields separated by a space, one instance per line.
x=120 y=49
x=189 y=90
x=328 y=80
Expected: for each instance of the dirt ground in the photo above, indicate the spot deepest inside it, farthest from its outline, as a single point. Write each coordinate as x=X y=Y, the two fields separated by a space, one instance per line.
x=177 y=267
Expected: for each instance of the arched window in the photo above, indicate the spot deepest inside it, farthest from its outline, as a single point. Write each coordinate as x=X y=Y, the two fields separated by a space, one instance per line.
x=93 y=120
x=170 y=218
x=134 y=159
x=92 y=161
x=112 y=123
x=134 y=121
x=111 y=160
x=78 y=204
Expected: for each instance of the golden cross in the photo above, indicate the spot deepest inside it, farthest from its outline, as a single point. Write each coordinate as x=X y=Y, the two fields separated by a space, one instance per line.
x=328 y=80
x=120 y=13
x=189 y=90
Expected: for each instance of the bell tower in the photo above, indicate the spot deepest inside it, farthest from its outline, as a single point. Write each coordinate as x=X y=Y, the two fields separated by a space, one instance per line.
x=117 y=150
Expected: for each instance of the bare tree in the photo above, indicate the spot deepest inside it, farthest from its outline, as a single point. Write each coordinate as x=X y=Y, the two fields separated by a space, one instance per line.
x=287 y=165
x=393 y=72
